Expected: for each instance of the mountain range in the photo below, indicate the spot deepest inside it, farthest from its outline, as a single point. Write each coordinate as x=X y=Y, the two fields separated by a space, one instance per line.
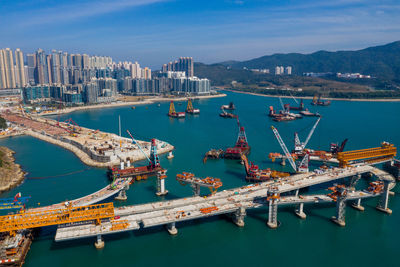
x=382 y=62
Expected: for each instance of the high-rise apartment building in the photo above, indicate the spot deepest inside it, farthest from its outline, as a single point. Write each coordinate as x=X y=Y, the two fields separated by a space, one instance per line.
x=19 y=68
x=42 y=69
x=8 y=69
x=184 y=64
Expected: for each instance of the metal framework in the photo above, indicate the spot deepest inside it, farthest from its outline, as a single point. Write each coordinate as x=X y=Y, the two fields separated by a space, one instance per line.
x=172 y=108
x=284 y=148
x=27 y=220
x=188 y=178
x=385 y=151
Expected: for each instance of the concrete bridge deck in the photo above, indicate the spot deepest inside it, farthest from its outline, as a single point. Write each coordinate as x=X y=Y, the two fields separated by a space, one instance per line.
x=227 y=202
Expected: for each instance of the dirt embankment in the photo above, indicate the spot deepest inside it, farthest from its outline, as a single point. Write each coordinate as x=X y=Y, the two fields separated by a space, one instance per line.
x=11 y=173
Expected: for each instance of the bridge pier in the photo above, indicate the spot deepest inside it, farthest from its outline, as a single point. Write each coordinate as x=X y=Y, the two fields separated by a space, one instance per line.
x=357 y=205
x=283 y=161
x=122 y=194
x=196 y=190
x=299 y=211
x=383 y=202
x=238 y=217
x=272 y=214
x=339 y=219
x=99 y=244
x=172 y=229
x=354 y=181
x=161 y=184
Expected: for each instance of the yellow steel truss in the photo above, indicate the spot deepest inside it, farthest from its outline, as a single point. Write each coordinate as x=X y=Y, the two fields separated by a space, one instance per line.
x=385 y=151
x=26 y=220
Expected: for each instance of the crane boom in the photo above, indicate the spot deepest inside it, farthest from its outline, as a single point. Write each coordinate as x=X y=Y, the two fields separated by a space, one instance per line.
x=311 y=133
x=280 y=100
x=284 y=148
x=135 y=142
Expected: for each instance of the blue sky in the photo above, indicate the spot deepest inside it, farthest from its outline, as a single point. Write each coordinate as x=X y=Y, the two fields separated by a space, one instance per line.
x=156 y=31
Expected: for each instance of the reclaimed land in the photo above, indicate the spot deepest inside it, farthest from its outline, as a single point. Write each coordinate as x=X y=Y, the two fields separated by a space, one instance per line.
x=130 y=101
x=11 y=173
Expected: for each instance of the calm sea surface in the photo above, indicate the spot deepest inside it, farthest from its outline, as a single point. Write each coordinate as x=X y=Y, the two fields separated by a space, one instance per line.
x=370 y=238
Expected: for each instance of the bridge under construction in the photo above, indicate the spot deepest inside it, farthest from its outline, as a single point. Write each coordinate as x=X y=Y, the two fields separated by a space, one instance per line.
x=75 y=220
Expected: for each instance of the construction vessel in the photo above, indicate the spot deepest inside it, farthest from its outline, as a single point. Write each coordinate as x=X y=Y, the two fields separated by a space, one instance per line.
x=225 y=114
x=141 y=172
x=307 y=113
x=255 y=174
x=231 y=106
x=213 y=154
x=241 y=147
x=190 y=109
x=284 y=114
x=299 y=108
x=172 y=113
x=317 y=101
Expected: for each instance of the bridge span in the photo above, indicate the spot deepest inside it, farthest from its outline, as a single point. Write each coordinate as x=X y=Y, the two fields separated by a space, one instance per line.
x=236 y=201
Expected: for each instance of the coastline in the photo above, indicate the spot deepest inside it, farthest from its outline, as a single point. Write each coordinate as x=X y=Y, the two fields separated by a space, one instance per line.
x=325 y=98
x=130 y=103
x=11 y=172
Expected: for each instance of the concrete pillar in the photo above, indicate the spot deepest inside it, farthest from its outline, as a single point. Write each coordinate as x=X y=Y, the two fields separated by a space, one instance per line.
x=354 y=181
x=196 y=190
x=296 y=192
x=272 y=214
x=383 y=202
x=99 y=244
x=299 y=211
x=170 y=155
x=357 y=205
x=161 y=184
x=339 y=219
x=121 y=195
x=238 y=216
x=172 y=229
x=122 y=165
x=128 y=163
x=283 y=161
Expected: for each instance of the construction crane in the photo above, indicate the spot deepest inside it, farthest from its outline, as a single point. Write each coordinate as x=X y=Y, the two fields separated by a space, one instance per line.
x=172 y=112
x=190 y=109
x=134 y=141
x=299 y=146
x=27 y=220
x=303 y=166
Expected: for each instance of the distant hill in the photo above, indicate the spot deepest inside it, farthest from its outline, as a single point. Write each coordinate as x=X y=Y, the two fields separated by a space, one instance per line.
x=380 y=61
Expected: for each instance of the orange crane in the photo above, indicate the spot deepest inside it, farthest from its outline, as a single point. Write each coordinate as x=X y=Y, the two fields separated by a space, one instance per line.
x=370 y=155
x=26 y=220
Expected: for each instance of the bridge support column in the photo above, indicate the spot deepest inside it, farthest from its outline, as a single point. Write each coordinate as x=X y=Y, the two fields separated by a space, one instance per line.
x=196 y=190
x=299 y=211
x=340 y=212
x=383 y=202
x=272 y=214
x=99 y=244
x=296 y=193
x=283 y=161
x=172 y=229
x=238 y=217
x=122 y=194
x=354 y=181
x=357 y=205
x=161 y=184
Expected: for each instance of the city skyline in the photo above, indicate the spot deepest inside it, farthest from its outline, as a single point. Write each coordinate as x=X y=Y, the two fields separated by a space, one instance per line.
x=156 y=31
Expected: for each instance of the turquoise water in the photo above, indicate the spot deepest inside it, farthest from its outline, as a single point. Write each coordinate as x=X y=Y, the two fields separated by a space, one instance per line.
x=369 y=238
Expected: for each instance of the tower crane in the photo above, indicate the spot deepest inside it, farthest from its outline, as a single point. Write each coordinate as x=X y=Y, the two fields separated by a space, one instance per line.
x=303 y=166
x=299 y=146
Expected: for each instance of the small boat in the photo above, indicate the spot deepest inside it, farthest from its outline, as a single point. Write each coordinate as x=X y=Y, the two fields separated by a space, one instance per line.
x=309 y=114
x=133 y=107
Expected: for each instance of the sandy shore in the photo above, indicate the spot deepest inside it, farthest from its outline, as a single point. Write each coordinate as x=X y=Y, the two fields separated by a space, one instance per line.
x=132 y=103
x=11 y=174
x=324 y=98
